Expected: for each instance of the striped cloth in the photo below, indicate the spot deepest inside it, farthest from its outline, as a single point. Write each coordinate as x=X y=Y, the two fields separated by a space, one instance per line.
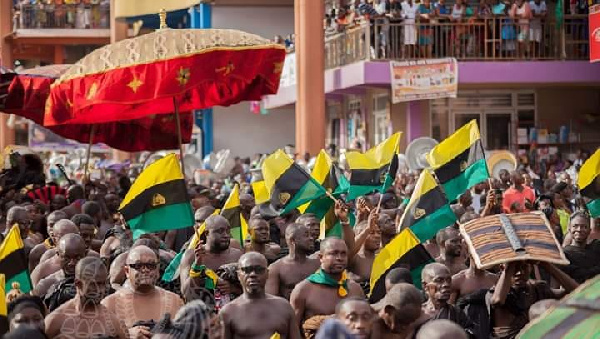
x=367 y=9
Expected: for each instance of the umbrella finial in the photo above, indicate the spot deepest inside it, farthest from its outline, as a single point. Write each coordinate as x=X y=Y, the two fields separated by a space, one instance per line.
x=163 y=18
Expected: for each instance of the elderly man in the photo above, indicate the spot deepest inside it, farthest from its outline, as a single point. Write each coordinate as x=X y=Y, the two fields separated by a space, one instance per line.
x=437 y=281
x=287 y=272
x=257 y=314
x=143 y=303
x=320 y=292
x=83 y=316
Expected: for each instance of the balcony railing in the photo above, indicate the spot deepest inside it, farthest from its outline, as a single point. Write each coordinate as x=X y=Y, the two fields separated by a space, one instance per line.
x=78 y=16
x=499 y=38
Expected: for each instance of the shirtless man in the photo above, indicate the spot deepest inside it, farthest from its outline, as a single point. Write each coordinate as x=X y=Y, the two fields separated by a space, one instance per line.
x=18 y=215
x=36 y=253
x=287 y=272
x=367 y=244
x=437 y=280
x=88 y=231
x=450 y=243
x=71 y=249
x=269 y=314
x=469 y=288
x=83 y=316
x=388 y=229
x=212 y=254
x=514 y=293
x=357 y=315
x=397 y=313
x=321 y=291
x=143 y=301
x=258 y=228
x=442 y=329
x=51 y=264
x=314 y=227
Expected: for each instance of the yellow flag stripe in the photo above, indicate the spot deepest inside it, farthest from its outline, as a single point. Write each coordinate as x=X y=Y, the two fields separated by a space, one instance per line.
x=162 y=171
x=589 y=170
x=377 y=156
x=274 y=166
x=233 y=200
x=11 y=243
x=261 y=195
x=322 y=167
x=199 y=231
x=454 y=145
x=393 y=251
x=425 y=183
x=3 y=310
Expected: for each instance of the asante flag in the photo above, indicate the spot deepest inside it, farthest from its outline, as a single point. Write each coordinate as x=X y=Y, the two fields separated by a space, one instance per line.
x=374 y=170
x=13 y=262
x=459 y=161
x=333 y=180
x=428 y=210
x=405 y=250
x=232 y=212
x=289 y=185
x=158 y=199
x=589 y=183
x=261 y=194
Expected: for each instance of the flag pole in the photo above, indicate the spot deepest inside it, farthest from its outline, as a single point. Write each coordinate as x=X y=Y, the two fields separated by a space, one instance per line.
x=89 y=151
x=178 y=122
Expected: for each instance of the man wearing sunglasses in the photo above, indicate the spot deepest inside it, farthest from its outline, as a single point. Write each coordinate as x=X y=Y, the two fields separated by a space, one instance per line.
x=143 y=303
x=256 y=314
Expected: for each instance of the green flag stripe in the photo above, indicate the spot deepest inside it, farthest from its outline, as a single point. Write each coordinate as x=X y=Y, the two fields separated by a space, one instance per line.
x=168 y=217
x=171 y=270
x=310 y=191
x=320 y=207
x=414 y=260
x=431 y=201
x=543 y=325
x=472 y=176
x=594 y=208
x=368 y=177
x=23 y=279
x=173 y=192
x=455 y=167
x=300 y=187
x=357 y=191
x=428 y=226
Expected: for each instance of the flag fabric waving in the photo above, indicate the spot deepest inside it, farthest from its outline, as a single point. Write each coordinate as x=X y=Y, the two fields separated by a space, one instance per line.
x=261 y=194
x=232 y=211
x=3 y=309
x=289 y=185
x=428 y=210
x=158 y=199
x=589 y=183
x=405 y=250
x=459 y=161
x=374 y=170
x=13 y=262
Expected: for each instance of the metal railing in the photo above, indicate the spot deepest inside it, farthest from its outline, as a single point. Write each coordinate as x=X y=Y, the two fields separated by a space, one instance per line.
x=498 y=38
x=80 y=16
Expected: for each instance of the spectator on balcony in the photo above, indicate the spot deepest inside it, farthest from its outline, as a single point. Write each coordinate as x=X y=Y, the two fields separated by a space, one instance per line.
x=442 y=32
x=426 y=14
x=409 y=14
x=458 y=16
x=366 y=10
x=538 y=11
x=522 y=13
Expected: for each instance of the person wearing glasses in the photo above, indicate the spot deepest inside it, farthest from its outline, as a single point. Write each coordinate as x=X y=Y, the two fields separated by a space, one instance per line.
x=84 y=316
x=256 y=314
x=143 y=304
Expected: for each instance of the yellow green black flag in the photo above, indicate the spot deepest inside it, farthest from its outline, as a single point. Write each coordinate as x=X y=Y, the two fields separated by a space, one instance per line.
x=589 y=183
x=3 y=310
x=459 y=161
x=375 y=169
x=158 y=199
x=13 y=262
x=261 y=194
x=232 y=212
x=405 y=250
x=289 y=185
x=428 y=210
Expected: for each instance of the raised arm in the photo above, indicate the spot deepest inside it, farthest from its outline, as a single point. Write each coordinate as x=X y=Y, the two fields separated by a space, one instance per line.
x=341 y=212
x=503 y=285
x=563 y=279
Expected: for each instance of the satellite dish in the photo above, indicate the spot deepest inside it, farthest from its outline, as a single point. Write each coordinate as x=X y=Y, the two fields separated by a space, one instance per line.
x=416 y=151
x=192 y=163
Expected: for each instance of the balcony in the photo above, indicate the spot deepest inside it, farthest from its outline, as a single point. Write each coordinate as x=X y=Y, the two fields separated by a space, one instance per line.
x=63 y=21
x=483 y=39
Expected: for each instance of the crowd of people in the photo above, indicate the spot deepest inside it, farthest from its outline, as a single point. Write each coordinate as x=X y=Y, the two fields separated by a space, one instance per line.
x=92 y=279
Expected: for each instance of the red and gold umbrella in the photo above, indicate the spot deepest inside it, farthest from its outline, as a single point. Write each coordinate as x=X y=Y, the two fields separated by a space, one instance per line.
x=165 y=71
x=29 y=89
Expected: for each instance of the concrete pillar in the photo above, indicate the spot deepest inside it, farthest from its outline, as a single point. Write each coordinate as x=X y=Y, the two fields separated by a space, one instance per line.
x=59 y=54
x=7 y=135
x=310 y=70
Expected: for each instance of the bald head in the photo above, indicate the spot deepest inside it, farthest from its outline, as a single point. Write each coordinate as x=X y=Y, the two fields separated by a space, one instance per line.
x=89 y=267
x=202 y=213
x=445 y=234
x=55 y=216
x=71 y=249
x=328 y=243
x=402 y=303
x=137 y=253
x=64 y=227
x=431 y=270
x=252 y=258
x=292 y=231
x=71 y=241
x=215 y=221
x=441 y=329
x=16 y=214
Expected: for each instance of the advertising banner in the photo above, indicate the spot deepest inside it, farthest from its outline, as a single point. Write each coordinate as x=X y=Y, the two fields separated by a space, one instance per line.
x=424 y=79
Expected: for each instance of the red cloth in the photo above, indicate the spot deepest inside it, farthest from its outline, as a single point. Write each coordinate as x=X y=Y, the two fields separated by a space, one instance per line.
x=513 y=195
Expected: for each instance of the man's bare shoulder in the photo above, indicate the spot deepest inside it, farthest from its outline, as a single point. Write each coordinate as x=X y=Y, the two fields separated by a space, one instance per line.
x=354 y=288
x=92 y=253
x=168 y=294
x=276 y=300
x=39 y=248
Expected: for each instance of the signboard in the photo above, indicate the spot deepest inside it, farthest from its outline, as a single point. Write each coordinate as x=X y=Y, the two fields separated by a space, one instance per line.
x=41 y=139
x=595 y=33
x=424 y=79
